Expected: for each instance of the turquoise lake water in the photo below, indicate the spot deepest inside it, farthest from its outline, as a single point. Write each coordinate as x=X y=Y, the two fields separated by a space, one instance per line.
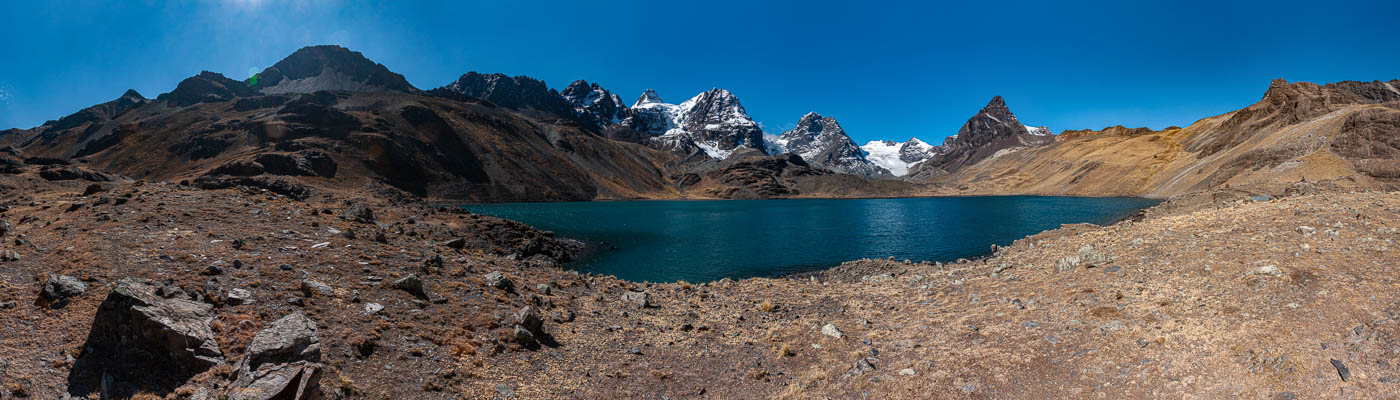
x=700 y=241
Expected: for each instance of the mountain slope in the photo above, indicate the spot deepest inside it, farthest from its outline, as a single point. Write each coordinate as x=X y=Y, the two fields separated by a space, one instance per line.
x=218 y=131
x=1347 y=133
x=993 y=130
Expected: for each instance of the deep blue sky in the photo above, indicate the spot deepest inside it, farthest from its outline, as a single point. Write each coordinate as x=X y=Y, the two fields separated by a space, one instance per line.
x=885 y=70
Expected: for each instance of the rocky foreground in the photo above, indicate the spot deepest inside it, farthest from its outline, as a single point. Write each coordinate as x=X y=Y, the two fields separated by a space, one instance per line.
x=157 y=290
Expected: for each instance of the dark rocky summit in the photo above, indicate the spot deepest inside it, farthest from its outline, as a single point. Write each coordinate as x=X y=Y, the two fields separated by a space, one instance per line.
x=521 y=93
x=595 y=105
x=822 y=143
x=332 y=68
x=207 y=87
x=991 y=130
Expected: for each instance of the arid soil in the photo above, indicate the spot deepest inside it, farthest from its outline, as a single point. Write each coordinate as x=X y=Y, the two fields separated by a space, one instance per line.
x=1214 y=295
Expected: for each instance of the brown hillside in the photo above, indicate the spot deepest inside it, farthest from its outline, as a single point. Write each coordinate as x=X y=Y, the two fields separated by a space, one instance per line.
x=1347 y=132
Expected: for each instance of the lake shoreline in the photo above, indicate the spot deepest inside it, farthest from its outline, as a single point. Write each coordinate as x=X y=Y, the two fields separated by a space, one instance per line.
x=704 y=241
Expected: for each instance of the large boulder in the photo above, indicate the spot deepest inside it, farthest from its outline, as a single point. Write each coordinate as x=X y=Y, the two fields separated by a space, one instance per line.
x=148 y=341
x=283 y=362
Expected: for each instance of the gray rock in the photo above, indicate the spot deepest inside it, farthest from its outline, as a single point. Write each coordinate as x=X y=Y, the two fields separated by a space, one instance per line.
x=638 y=299
x=239 y=296
x=907 y=371
x=530 y=320
x=359 y=213
x=1306 y=230
x=9 y=255
x=831 y=330
x=456 y=243
x=1067 y=263
x=1342 y=370
x=283 y=362
x=544 y=288
x=863 y=366
x=521 y=335
x=136 y=330
x=373 y=308
x=292 y=338
x=1270 y=270
x=876 y=278
x=498 y=280
x=310 y=287
x=1091 y=257
x=413 y=285
x=62 y=287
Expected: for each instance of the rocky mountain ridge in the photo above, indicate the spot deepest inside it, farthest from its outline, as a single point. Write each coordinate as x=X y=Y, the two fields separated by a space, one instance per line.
x=823 y=143
x=491 y=137
x=1346 y=134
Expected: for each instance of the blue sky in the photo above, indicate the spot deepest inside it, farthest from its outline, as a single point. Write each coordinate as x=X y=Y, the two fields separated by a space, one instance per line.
x=885 y=70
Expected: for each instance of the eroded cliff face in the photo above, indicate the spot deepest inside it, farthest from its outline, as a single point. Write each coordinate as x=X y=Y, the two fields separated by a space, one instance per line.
x=1345 y=132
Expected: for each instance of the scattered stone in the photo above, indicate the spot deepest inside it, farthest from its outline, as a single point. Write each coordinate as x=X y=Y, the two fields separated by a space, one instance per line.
x=456 y=243
x=863 y=366
x=413 y=285
x=373 y=308
x=505 y=390
x=498 y=280
x=1067 y=263
x=521 y=335
x=907 y=371
x=830 y=330
x=62 y=287
x=213 y=270
x=239 y=296
x=876 y=278
x=1342 y=370
x=1091 y=257
x=310 y=287
x=564 y=316
x=93 y=189
x=359 y=213
x=638 y=299
x=9 y=255
x=635 y=351
x=1306 y=230
x=283 y=362
x=530 y=320
x=543 y=288
x=1271 y=270
x=285 y=267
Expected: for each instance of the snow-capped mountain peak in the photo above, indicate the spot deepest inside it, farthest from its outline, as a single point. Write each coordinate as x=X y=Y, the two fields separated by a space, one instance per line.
x=822 y=142
x=712 y=121
x=648 y=97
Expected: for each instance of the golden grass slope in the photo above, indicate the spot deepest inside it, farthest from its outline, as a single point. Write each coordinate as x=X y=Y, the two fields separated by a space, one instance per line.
x=1297 y=132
